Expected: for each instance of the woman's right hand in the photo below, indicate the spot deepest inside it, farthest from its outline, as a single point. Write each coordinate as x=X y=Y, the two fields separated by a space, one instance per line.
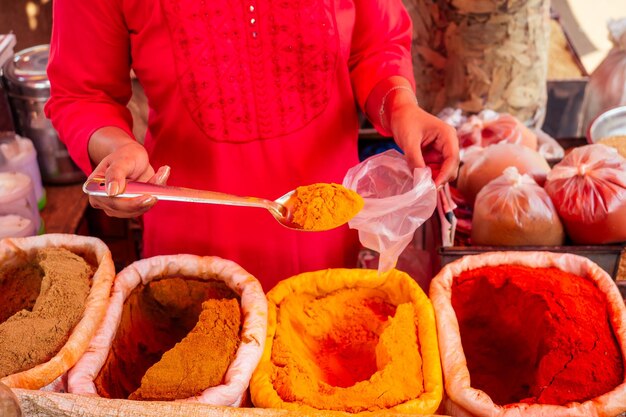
x=124 y=159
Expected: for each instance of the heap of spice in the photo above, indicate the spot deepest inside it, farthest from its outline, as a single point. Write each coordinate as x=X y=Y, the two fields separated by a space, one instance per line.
x=175 y=376
x=351 y=350
x=176 y=338
x=536 y=335
x=617 y=142
x=322 y=206
x=42 y=298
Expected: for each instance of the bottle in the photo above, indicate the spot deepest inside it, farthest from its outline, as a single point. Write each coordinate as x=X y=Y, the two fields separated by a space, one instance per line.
x=18 y=154
x=17 y=198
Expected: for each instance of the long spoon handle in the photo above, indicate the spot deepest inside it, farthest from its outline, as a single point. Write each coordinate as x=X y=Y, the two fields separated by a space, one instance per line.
x=96 y=186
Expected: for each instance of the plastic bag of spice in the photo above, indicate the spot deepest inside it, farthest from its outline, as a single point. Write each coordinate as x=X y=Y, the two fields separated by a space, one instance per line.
x=548 y=337
x=397 y=202
x=513 y=210
x=489 y=127
x=588 y=188
x=482 y=165
x=607 y=83
x=178 y=327
x=349 y=340
x=54 y=290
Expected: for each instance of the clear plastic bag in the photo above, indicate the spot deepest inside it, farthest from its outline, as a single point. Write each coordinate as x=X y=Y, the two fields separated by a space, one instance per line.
x=482 y=165
x=488 y=128
x=547 y=146
x=513 y=210
x=607 y=83
x=397 y=202
x=588 y=188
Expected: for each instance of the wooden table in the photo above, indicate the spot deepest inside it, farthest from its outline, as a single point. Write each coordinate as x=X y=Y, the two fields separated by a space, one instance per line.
x=65 y=208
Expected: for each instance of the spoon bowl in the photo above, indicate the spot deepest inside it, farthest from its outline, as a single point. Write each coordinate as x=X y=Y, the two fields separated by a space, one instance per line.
x=281 y=208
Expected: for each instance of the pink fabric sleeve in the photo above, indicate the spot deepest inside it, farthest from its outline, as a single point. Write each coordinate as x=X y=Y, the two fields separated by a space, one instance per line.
x=89 y=72
x=381 y=46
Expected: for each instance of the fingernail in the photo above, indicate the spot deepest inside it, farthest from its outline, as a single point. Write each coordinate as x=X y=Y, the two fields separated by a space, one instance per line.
x=148 y=201
x=165 y=174
x=112 y=188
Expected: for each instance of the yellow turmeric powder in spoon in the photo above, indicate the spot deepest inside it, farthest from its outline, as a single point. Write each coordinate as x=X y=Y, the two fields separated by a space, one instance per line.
x=324 y=206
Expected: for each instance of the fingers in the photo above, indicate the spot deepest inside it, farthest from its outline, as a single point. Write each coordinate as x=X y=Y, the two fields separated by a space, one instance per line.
x=429 y=141
x=115 y=179
x=123 y=207
x=161 y=176
x=415 y=158
x=447 y=174
x=129 y=162
x=449 y=145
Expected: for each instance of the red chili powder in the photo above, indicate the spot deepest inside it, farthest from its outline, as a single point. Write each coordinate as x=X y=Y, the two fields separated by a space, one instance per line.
x=536 y=335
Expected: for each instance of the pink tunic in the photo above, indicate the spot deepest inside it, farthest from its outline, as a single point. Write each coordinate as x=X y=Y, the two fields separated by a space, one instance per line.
x=248 y=97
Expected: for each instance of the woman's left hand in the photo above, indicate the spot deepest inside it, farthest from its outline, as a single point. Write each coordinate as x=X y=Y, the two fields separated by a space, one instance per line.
x=425 y=140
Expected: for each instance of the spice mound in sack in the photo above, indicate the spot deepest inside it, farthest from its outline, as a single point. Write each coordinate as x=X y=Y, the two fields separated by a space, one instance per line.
x=174 y=376
x=351 y=351
x=175 y=339
x=536 y=335
x=318 y=207
x=42 y=298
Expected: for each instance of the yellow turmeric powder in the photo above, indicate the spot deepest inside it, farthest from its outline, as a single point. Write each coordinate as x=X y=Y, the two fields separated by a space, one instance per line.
x=349 y=351
x=321 y=206
x=200 y=360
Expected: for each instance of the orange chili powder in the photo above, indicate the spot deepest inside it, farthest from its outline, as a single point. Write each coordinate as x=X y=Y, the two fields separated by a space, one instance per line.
x=536 y=335
x=351 y=350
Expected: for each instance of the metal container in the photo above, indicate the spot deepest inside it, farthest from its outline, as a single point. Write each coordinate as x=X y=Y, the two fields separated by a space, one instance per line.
x=28 y=89
x=7 y=130
x=610 y=123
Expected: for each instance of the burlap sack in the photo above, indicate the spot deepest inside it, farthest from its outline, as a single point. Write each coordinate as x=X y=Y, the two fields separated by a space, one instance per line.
x=95 y=251
x=463 y=400
x=52 y=404
x=254 y=325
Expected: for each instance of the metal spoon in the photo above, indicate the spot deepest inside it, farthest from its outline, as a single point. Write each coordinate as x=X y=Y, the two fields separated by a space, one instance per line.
x=281 y=208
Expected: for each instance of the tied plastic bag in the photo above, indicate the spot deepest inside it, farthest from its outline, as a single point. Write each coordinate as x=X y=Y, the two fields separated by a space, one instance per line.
x=513 y=210
x=607 y=83
x=489 y=128
x=482 y=165
x=588 y=188
x=397 y=202
x=547 y=146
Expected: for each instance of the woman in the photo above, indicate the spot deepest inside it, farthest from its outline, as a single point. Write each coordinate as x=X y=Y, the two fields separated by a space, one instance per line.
x=248 y=98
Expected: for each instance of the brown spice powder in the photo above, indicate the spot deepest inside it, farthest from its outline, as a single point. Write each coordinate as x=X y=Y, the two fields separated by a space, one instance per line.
x=29 y=338
x=200 y=360
x=18 y=294
x=155 y=318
